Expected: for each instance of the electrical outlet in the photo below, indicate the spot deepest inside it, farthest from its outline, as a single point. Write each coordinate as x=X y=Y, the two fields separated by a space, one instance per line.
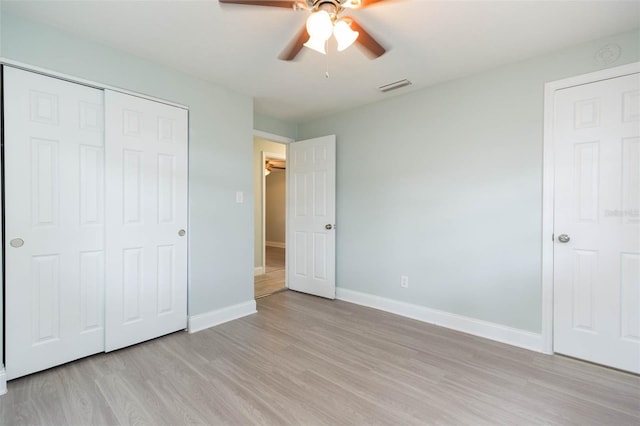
x=404 y=281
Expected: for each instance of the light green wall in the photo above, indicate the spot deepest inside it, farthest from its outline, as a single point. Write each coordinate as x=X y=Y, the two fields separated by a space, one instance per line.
x=220 y=148
x=445 y=185
x=0 y=29
x=260 y=145
x=274 y=126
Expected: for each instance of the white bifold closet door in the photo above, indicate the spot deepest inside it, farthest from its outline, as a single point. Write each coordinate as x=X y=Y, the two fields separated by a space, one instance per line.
x=96 y=219
x=54 y=213
x=146 y=219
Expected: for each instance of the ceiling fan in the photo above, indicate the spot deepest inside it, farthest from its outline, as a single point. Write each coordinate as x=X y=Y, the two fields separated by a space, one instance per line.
x=326 y=18
x=271 y=165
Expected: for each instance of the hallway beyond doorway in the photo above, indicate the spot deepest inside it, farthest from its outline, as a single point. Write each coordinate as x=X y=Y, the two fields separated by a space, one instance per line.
x=273 y=280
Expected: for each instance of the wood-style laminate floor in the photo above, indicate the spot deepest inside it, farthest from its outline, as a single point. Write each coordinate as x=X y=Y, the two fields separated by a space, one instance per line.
x=310 y=361
x=273 y=280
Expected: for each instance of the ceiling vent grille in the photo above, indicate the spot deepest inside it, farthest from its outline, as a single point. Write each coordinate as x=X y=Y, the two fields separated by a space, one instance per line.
x=395 y=85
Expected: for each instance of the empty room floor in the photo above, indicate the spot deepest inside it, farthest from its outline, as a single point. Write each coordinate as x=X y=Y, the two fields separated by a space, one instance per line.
x=273 y=279
x=312 y=361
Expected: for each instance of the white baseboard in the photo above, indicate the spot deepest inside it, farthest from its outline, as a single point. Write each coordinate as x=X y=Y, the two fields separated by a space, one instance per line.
x=3 y=381
x=501 y=333
x=258 y=270
x=275 y=244
x=220 y=316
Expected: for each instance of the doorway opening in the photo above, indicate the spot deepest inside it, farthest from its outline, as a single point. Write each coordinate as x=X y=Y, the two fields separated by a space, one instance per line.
x=270 y=180
x=309 y=245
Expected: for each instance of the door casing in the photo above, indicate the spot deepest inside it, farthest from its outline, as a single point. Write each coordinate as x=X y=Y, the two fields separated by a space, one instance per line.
x=548 y=181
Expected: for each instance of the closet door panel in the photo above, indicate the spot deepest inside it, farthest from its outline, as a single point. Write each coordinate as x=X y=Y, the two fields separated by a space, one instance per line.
x=146 y=185
x=54 y=201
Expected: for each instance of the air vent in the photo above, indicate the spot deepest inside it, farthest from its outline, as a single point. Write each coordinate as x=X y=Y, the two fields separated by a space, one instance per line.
x=395 y=85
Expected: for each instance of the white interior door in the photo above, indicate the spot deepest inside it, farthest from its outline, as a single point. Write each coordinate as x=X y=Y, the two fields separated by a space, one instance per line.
x=146 y=187
x=311 y=240
x=597 y=222
x=54 y=200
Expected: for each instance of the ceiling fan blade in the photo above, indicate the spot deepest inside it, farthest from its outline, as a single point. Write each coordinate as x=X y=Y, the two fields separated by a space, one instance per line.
x=295 y=46
x=371 y=47
x=289 y=4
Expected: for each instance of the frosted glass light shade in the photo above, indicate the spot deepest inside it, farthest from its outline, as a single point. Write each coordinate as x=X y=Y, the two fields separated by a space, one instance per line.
x=319 y=25
x=317 y=44
x=344 y=35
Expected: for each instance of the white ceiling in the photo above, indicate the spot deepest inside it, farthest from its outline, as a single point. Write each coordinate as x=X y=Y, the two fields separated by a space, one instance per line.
x=428 y=42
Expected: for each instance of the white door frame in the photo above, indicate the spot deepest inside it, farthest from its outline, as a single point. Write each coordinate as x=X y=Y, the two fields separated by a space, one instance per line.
x=3 y=375
x=548 y=181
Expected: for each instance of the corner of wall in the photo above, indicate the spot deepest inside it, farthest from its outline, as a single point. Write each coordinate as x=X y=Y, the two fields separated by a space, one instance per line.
x=220 y=316
x=275 y=126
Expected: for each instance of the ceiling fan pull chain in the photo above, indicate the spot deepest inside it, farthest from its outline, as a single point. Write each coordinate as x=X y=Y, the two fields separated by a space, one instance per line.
x=326 y=57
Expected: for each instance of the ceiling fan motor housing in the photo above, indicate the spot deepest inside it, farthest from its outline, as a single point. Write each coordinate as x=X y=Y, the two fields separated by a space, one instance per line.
x=332 y=7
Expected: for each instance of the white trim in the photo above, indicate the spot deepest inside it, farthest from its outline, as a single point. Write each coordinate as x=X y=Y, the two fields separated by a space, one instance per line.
x=258 y=270
x=220 y=316
x=501 y=333
x=272 y=137
x=84 y=82
x=276 y=244
x=548 y=186
x=3 y=381
x=287 y=224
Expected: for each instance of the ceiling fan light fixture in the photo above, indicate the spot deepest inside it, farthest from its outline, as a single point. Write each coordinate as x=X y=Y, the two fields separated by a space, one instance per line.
x=322 y=16
x=344 y=35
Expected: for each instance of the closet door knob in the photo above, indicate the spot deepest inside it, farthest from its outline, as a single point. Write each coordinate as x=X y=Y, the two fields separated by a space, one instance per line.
x=181 y=232
x=16 y=242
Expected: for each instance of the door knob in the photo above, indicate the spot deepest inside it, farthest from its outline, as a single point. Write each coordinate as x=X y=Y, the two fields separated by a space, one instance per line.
x=564 y=238
x=328 y=226
x=181 y=232
x=16 y=242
